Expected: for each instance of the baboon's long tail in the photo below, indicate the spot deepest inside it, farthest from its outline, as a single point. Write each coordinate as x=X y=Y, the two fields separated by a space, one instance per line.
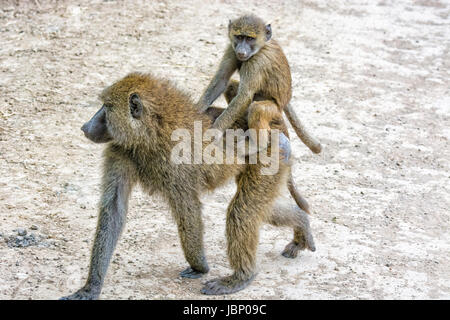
x=307 y=139
x=301 y=202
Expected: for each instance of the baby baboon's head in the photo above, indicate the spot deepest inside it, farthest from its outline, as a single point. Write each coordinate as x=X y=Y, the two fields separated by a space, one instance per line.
x=248 y=34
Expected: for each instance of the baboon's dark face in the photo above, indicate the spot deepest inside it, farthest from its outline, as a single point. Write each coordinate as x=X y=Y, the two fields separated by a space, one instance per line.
x=245 y=47
x=248 y=35
x=118 y=118
x=96 y=129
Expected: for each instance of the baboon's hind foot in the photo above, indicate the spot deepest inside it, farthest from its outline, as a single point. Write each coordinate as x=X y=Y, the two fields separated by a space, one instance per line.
x=192 y=273
x=226 y=285
x=300 y=242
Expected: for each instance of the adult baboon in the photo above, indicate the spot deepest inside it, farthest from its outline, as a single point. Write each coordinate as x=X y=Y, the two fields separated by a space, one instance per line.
x=139 y=114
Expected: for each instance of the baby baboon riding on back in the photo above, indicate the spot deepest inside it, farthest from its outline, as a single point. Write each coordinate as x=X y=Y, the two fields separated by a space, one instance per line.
x=264 y=89
x=137 y=119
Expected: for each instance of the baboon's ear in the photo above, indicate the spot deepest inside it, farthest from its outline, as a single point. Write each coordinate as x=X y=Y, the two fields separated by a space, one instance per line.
x=268 y=32
x=136 y=106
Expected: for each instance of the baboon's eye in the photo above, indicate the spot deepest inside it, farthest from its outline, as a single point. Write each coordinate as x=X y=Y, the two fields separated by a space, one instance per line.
x=268 y=32
x=250 y=39
x=135 y=106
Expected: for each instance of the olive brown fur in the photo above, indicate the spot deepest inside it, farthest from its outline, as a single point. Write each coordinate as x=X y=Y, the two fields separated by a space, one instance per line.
x=138 y=116
x=265 y=87
x=265 y=78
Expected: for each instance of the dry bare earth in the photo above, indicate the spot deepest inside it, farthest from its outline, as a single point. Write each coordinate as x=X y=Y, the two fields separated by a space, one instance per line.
x=371 y=79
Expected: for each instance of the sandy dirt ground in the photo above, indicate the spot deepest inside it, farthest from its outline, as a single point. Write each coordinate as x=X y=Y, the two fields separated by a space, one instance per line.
x=370 y=79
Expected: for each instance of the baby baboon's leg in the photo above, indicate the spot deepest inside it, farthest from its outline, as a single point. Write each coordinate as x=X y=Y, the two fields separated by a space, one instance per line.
x=287 y=214
x=251 y=203
x=231 y=90
x=187 y=213
x=214 y=112
x=261 y=114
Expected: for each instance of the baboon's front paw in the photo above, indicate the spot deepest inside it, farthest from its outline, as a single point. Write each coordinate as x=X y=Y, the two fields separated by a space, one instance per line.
x=226 y=285
x=191 y=273
x=81 y=294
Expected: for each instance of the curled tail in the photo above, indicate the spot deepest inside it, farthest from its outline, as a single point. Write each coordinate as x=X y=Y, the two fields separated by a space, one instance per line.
x=307 y=139
x=301 y=202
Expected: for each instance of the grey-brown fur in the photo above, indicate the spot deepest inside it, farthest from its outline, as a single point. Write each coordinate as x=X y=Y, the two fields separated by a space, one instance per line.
x=264 y=89
x=265 y=78
x=138 y=116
